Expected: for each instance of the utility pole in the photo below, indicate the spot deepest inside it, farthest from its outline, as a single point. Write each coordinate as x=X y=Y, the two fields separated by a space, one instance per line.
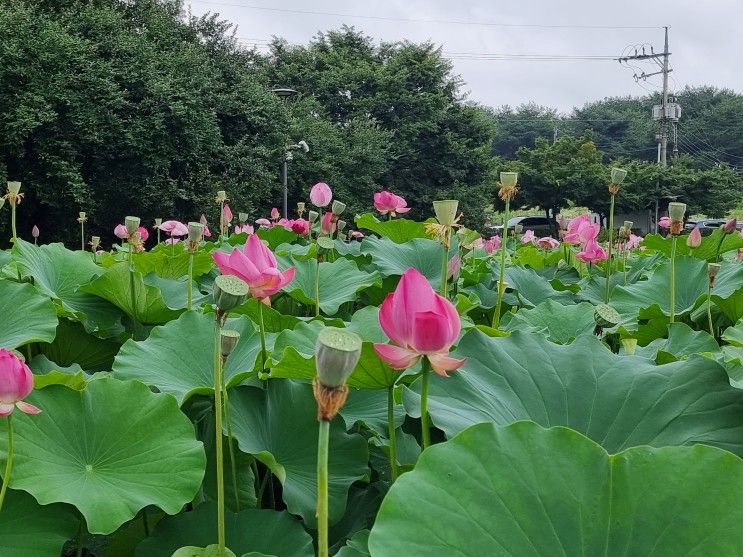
x=664 y=119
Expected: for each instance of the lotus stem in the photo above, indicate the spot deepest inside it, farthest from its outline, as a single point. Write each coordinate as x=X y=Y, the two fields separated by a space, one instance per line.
x=445 y=265
x=158 y=235
x=502 y=270
x=317 y=287
x=425 y=429
x=8 y=463
x=218 y=437
x=82 y=235
x=12 y=220
x=323 y=441
x=190 y=280
x=392 y=432
x=611 y=241
x=709 y=308
x=80 y=538
x=262 y=327
x=145 y=523
x=133 y=294
x=230 y=445
x=674 y=239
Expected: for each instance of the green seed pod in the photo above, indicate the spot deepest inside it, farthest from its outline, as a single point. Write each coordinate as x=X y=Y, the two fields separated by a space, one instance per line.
x=228 y=341
x=195 y=232
x=300 y=207
x=628 y=224
x=606 y=316
x=337 y=352
x=618 y=175
x=229 y=292
x=629 y=345
x=676 y=210
x=132 y=224
x=341 y=225
x=82 y=215
x=313 y=216
x=242 y=217
x=158 y=222
x=508 y=179
x=14 y=187
x=446 y=211
x=337 y=207
x=221 y=196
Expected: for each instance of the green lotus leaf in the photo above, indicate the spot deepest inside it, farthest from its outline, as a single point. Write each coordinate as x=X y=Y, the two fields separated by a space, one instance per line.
x=619 y=401
x=707 y=251
x=277 y=426
x=72 y=346
x=558 y=322
x=394 y=259
x=251 y=530
x=682 y=342
x=178 y=357
x=525 y=490
x=48 y=373
x=110 y=450
x=27 y=315
x=398 y=230
x=161 y=262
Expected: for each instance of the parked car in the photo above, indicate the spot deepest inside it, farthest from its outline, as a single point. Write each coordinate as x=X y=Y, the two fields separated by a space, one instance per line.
x=707 y=226
x=539 y=224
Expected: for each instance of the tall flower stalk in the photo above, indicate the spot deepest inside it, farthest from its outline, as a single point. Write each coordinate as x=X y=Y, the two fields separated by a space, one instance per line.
x=221 y=199
x=229 y=292
x=446 y=214
x=336 y=354
x=228 y=342
x=617 y=177
x=391 y=431
x=135 y=244
x=14 y=197
x=195 y=235
x=676 y=212
x=82 y=218
x=506 y=191
x=712 y=270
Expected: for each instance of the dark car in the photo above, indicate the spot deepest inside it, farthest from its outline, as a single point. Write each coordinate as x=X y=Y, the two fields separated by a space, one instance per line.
x=539 y=224
x=707 y=226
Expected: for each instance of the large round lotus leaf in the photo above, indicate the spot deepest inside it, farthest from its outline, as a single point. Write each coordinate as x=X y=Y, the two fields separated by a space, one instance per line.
x=178 y=358
x=278 y=426
x=558 y=322
x=110 y=450
x=58 y=273
x=250 y=530
x=618 y=401
x=528 y=491
x=73 y=346
x=532 y=288
x=27 y=315
x=398 y=230
x=28 y=529
x=394 y=259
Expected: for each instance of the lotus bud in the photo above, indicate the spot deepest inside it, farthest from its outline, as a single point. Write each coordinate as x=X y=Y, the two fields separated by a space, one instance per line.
x=712 y=270
x=132 y=224
x=676 y=211
x=14 y=187
x=337 y=207
x=694 y=240
x=618 y=175
x=508 y=179
x=337 y=352
x=313 y=216
x=446 y=211
x=35 y=231
x=221 y=196
x=341 y=225
x=629 y=345
x=158 y=222
x=228 y=340
x=242 y=217
x=730 y=226
x=229 y=292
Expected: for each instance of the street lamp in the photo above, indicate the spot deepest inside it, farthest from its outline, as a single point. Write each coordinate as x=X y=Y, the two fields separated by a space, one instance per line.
x=285 y=94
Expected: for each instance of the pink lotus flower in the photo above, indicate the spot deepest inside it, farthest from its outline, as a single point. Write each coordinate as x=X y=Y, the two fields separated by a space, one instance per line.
x=226 y=214
x=240 y=228
x=528 y=237
x=121 y=232
x=694 y=240
x=263 y=222
x=634 y=241
x=321 y=194
x=16 y=382
x=207 y=232
x=143 y=233
x=357 y=234
x=664 y=222
x=592 y=253
x=453 y=267
x=419 y=322
x=275 y=215
x=492 y=244
x=256 y=265
x=171 y=241
x=301 y=226
x=581 y=230
x=388 y=202
x=328 y=223
x=174 y=228
x=35 y=231
x=547 y=242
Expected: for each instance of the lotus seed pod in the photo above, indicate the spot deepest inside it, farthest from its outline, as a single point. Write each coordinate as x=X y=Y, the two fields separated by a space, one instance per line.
x=338 y=207
x=132 y=224
x=508 y=179
x=341 y=225
x=229 y=292
x=446 y=211
x=313 y=216
x=629 y=345
x=228 y=340
x=14 y=187
x=337 y=352
x=606 y=316
x=628 y=224
x=242 y=217
x=300 y=207
x=618 y=175
x=195 y=232
x=158 y=222
x=676 y=211
x=95 y=241
x=221 y=196
x=82 y=215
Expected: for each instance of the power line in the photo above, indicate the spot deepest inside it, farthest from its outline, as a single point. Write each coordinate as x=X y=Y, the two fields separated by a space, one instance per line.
x=415 y=20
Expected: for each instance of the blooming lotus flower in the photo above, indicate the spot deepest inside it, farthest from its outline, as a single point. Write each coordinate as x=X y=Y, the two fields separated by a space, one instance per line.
x=264 y=222
x=453 y=267
x=492 y=244
x=664 y=222
x=357 y=234
x=174 y=228
x=694 y=240
x=143 y=233
x=321 y=195
x=16 y=382
x=243 y=228
x=328 y=224
x=387 y=202
x=256 y=265
x=226 y=214
x=592 y=253
x=581 y=230
x=547 y=242
x=419 y=322
x=121 y=232
x=171 y=241
x=301 y=226
x=207 y=232
x=634 y=241
x=275 y=215
x=528 y=237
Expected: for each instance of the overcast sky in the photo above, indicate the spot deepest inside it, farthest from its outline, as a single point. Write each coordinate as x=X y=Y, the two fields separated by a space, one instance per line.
x=705 y=39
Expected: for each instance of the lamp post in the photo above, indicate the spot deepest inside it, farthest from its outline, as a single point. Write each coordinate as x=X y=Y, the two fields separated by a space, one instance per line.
x=285 y=93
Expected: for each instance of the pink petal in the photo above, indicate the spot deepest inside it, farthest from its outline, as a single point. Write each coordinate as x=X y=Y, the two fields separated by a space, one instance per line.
x=243 y=267
x=393 y=325
x=259 y=254
x=412 y=295
x=27 y=408
x=6 y=409
x=395 y=356
x=441 y=363
x=430 y=332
